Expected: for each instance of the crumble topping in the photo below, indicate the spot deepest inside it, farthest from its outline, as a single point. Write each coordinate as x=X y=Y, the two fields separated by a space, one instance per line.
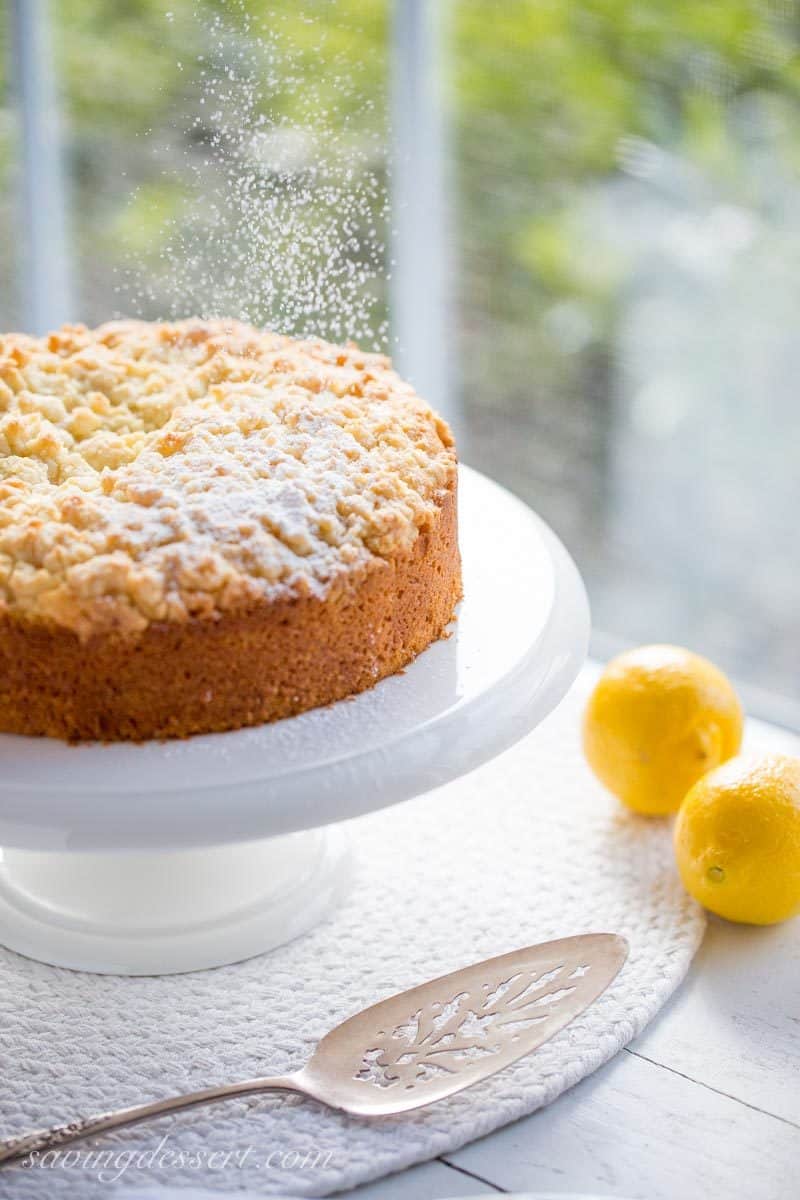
x=160 y=471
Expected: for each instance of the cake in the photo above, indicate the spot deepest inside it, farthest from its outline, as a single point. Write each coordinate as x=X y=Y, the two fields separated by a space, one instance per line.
x=205 y=526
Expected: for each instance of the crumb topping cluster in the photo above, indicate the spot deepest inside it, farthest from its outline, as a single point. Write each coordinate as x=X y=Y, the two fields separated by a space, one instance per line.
x=155 y=472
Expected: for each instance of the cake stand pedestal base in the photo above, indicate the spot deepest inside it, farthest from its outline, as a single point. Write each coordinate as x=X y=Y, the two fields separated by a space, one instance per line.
x=161 y=913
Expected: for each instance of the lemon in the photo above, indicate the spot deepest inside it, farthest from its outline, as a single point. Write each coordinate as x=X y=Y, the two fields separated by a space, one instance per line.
x=658 y=719
x=737 y=840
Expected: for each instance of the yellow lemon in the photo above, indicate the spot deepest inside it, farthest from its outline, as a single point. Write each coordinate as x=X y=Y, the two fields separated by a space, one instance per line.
x=737 y=840
x=658 y=719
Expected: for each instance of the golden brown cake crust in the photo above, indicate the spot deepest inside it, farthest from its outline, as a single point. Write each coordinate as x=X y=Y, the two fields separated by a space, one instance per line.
x=273 y=660
x=205 y=525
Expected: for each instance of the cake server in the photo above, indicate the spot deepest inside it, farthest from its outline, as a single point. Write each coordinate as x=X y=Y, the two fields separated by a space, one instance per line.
x=418 y=1046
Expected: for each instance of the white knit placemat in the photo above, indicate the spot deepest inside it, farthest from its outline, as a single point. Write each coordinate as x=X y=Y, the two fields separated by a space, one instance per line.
x=525 y=849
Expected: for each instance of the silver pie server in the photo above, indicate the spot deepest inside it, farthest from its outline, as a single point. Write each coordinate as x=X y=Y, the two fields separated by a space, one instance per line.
x=417 y=1047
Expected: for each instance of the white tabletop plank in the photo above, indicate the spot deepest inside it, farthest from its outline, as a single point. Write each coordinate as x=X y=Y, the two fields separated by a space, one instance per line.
x=637 y=1130
x=430 y=1181
x=735 y=1024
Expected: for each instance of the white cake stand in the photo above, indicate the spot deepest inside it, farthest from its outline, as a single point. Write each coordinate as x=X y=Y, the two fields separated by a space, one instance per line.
x=174 y=856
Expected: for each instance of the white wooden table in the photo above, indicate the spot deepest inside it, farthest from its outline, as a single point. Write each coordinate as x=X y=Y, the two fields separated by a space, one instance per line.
x=705 y=1104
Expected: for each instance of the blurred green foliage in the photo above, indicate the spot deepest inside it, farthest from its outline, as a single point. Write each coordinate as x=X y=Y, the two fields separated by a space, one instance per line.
x=544 y=93
x=548 y=92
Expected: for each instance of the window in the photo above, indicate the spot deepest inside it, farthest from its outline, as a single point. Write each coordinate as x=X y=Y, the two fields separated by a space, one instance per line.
x=629 y=221
x=595 y=235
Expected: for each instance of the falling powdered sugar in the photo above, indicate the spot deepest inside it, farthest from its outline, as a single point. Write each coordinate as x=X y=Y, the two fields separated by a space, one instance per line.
x=284 y=202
